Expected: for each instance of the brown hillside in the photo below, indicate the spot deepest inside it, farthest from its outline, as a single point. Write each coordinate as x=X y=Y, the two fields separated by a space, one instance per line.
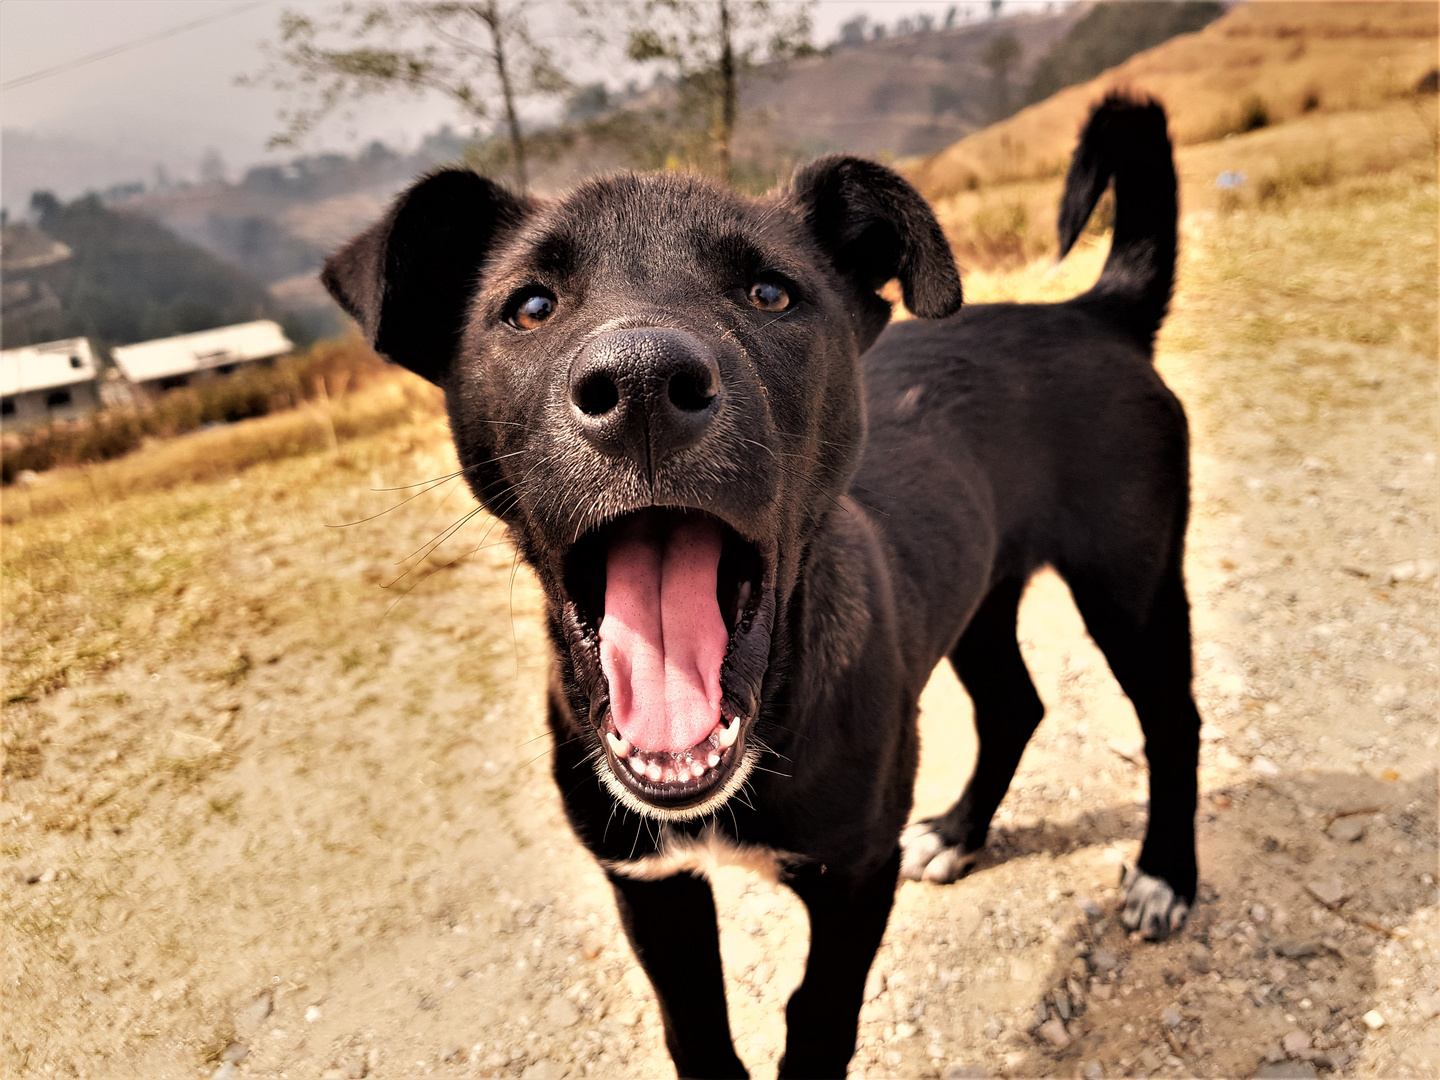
x=1259 y=63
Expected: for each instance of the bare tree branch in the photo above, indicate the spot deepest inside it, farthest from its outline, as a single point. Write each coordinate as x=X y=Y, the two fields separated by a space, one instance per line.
x=478 y=55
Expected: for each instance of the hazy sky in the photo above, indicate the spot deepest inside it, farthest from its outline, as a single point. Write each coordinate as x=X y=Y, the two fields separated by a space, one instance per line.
x=168 y=101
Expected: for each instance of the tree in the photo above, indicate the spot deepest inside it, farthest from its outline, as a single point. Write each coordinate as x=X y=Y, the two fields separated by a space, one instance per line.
x=479 y=55
x=709 y=44
x=1002 y=52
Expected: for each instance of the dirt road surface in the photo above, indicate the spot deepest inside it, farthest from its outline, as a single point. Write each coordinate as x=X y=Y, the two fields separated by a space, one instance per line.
x=266 y=818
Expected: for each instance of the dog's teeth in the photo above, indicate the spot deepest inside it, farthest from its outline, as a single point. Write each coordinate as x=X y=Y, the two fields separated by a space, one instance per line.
x=728 y=735
x=654 y=772
x=619 y=745
x=713 y=760
x=697 y=769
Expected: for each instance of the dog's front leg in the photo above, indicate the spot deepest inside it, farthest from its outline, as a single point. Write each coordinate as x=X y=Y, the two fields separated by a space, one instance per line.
x=672 y=928
x=847 y=921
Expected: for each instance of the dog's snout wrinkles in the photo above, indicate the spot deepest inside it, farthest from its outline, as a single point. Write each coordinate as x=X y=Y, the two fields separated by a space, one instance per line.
x=644 y=393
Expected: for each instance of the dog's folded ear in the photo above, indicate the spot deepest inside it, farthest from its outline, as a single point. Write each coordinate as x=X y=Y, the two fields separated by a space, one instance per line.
x=874 y=226
x=408 y=279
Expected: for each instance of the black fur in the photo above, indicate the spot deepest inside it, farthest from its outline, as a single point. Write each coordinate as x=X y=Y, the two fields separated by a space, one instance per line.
x=998 y=440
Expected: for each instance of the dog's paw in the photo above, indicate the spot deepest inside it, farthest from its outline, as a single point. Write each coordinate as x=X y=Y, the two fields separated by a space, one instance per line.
x=1150 y=905
x=924 y=855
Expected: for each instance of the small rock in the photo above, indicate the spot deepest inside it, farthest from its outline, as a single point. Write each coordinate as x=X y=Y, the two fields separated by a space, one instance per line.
x=1089 y=907
x=312 y=1013
x=1296 y=948
x=1264 y=766
x=360 y=1067
x=1200 y=960
x=1285 y=1070
x=333 y=1074
x=1149 y=1060
x=966 y=1072
x=452 y=1054
x=1258 y=914
x=1103 y=960
x=561 y=1013
x=1347 y=830
x=905 y=1031
x=253 y=1015
x=1053 y=1032
x=542 y=1070
x=1042 y=1013
x=592 y=946
x=236 y=1052
x=48 y=876
x=1329 y=891
x=993 y=1030
x=1373 y=1020
x=1062 y=1004
x=1171 y=1018
x=874 y=985
x=1296 y=1042
x=225 y=1071
x=1092 y=1070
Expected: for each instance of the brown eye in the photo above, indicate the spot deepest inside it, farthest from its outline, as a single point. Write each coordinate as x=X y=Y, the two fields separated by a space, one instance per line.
x=767 y=296
x=533 y=310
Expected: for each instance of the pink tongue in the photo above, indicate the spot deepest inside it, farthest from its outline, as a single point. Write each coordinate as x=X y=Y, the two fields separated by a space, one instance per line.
x=662 y=640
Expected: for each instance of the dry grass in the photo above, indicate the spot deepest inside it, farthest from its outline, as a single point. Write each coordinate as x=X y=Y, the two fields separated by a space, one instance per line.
x=1004 y=226
x=395 y=397
x=1258 y=65
x=328 y=368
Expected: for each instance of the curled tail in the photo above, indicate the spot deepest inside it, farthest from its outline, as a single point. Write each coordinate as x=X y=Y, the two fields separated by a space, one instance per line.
x=1125 y=139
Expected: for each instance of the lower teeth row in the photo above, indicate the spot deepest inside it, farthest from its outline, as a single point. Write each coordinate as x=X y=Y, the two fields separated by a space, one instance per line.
x=724 y=736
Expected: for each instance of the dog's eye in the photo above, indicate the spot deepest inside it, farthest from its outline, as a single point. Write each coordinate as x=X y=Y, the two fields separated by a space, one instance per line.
x=533 y=309
x=768 y=296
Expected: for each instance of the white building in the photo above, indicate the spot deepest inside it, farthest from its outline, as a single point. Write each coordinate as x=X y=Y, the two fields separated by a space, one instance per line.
x=164 y=364
x=53 y=381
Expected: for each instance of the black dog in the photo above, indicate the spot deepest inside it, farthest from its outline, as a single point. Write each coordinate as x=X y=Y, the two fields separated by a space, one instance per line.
x=756 y=546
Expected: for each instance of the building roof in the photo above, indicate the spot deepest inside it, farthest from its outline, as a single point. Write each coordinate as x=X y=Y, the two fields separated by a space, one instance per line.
x=40 y=367
x=25 y=247
x=189 y=353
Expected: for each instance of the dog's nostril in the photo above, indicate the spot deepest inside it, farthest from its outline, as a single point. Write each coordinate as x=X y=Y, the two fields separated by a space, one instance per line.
x=596 y=394
x=690 y=392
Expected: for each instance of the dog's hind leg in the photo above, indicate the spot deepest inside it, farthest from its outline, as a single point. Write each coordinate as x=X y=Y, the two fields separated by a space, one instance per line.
x=672 y=928
x=847 y=921
x=1007 y=710
x=1150 y=657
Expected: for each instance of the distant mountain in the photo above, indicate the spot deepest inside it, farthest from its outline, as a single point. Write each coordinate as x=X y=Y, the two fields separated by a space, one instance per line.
x=1257 y=64
x=901 y=94
x=127 y=278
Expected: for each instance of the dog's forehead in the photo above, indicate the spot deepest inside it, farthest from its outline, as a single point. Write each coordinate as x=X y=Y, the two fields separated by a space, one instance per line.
x=656 y=224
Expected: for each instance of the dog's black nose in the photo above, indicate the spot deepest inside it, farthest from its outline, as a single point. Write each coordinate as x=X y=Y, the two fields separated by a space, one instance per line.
x=644 y=393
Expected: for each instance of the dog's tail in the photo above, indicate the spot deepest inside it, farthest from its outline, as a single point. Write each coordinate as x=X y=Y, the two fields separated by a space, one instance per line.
x=1125 y=139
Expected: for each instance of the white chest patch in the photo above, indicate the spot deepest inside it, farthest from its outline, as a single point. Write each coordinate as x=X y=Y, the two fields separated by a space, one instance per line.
x=701 y=855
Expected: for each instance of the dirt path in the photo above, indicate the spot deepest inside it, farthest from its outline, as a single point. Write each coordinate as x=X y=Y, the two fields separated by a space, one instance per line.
x=258 y=806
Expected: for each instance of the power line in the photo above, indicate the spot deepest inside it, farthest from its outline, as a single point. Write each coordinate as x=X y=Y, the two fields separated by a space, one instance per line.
x=115 y=50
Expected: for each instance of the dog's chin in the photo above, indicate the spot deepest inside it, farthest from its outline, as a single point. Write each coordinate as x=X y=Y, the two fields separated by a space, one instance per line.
x=675 y=782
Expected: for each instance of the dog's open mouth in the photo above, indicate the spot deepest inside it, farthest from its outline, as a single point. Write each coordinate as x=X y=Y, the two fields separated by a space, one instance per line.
x=673 y=616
